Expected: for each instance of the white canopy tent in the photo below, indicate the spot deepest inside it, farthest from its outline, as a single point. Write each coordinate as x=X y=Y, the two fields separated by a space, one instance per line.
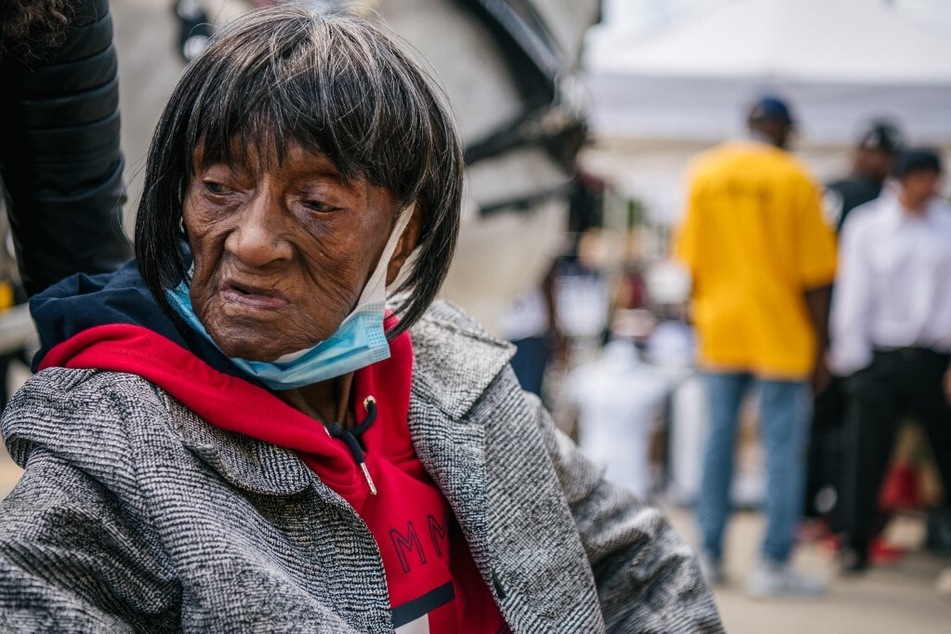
x=659 y=97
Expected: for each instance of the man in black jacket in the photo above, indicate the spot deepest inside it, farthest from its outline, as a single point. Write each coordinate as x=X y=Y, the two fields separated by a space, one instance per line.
x=872 y=162
x=60 y=161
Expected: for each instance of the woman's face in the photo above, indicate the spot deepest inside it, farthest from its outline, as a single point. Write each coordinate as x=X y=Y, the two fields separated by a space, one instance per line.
x=282 y=254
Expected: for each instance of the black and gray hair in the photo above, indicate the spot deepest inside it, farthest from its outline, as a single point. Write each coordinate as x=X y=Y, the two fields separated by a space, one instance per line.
x=333 y=83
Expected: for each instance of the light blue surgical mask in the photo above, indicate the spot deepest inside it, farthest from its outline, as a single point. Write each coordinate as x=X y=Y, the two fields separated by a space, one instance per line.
x=358 y=342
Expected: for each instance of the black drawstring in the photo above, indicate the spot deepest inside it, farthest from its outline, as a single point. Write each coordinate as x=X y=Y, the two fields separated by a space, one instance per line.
x=351 y=438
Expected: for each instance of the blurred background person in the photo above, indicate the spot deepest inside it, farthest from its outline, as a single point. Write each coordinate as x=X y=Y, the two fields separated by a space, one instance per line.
x=534 y=320
x=761 y=261
x=531 y=324
x=891 y=336
x=60 y=161
x=617 y=399
x=872 y=162
x=61 y=186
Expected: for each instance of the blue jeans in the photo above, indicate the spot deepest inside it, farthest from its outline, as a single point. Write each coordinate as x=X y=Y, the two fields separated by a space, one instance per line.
x=784 y=427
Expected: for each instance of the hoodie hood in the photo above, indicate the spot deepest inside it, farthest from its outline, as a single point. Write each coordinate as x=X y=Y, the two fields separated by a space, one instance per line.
x=84 y=302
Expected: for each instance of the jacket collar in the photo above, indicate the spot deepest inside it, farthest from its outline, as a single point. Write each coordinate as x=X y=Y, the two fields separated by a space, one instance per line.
x=455 y=361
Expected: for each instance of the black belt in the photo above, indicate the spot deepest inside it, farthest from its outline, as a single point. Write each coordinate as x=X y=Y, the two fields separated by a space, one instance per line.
x=909 y=350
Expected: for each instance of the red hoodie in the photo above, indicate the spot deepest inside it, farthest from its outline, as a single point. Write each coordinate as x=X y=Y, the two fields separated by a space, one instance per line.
x=433 y=582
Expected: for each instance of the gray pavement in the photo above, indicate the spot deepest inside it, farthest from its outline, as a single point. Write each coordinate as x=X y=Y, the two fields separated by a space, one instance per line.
x=898 y=598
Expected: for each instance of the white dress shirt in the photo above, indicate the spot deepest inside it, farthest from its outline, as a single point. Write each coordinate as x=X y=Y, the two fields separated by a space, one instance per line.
x=893 y=286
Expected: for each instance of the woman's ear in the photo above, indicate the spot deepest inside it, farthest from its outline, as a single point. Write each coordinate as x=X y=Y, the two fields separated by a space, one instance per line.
x=405 y=246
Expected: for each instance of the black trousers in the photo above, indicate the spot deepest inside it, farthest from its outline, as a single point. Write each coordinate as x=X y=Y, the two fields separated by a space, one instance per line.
x=896 y=382
x=824 y=457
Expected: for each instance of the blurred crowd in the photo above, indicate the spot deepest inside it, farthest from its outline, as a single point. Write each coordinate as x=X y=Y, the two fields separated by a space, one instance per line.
x=820 y=313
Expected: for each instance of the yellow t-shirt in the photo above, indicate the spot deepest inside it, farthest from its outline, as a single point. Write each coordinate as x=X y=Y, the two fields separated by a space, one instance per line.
x=754 y=241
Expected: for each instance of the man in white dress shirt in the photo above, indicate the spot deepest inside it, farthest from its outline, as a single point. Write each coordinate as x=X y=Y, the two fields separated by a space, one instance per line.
x=891 y=335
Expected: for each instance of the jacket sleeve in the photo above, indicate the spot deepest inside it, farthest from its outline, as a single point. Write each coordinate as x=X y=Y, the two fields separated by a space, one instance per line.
x=648 y=579
x=77 y=549
x=60 y=160
x=73 y=559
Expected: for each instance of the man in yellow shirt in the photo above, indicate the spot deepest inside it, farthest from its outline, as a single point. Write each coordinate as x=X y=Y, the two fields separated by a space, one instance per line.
x=761 y=259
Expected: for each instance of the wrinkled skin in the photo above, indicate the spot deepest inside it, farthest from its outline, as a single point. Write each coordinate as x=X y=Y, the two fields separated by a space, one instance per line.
x=283 y=251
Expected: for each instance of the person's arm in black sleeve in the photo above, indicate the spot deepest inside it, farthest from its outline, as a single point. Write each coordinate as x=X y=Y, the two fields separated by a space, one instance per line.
x=60 y=159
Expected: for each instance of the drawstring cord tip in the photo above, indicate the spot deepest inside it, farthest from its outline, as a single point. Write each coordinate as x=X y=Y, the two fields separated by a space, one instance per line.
x=351 y=438
x=366 y=474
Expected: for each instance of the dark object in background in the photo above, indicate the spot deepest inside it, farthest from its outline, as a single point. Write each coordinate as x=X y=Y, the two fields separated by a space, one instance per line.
x=872 y=161
x=938 y=538
x=874 y=158
x=194 y=29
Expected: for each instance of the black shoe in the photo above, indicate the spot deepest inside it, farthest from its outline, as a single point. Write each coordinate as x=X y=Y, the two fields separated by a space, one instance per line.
x=938 y=539
x=851 y=561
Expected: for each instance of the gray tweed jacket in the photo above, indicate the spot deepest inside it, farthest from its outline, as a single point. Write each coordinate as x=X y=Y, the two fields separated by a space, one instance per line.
x=134 y=514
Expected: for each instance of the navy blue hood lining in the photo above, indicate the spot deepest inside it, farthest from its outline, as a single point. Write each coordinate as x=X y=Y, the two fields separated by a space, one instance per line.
x=81 y=302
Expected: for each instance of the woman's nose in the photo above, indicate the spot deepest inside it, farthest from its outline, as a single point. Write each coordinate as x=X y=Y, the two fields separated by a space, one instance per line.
x=260 y=236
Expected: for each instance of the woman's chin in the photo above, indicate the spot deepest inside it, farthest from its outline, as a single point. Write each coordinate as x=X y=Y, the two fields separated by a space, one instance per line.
x=254 y=349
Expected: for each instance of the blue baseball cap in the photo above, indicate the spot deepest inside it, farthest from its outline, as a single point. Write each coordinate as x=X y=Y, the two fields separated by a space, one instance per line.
x=771 y=108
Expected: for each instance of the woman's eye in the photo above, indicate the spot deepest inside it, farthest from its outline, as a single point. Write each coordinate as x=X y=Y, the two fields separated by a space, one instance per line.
x=318 y=205
x=217 y=188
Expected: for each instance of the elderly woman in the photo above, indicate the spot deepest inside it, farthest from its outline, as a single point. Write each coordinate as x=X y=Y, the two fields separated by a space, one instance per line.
x=233 y=434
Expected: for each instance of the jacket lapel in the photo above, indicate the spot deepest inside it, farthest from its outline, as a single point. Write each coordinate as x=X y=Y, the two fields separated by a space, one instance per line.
x=455 y=361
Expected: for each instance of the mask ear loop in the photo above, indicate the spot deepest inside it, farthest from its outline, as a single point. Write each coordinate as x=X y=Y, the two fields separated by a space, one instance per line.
x=379 y=274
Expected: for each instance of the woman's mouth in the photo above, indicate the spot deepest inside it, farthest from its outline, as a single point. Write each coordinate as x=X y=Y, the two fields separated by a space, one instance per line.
x=246 y=295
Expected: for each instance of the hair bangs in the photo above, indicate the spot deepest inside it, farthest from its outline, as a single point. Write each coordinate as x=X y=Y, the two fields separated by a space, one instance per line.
x=261 y=101
x=326 y=87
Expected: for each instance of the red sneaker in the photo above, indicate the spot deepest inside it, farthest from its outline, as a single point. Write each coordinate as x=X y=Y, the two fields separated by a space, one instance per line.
x=881 y=552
